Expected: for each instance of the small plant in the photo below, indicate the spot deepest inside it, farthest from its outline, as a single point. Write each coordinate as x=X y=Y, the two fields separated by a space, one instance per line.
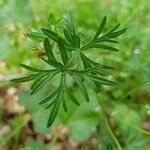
x=71 y=60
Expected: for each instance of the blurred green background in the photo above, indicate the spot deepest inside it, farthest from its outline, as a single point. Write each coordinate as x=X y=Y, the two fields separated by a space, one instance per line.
x=128 y=103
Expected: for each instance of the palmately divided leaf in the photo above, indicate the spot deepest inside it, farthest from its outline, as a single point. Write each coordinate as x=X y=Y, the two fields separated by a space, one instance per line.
x=70 y=50
x=82 y=87
x=101 y=27
x=52 y=35
x=48 y=50
x=63 y=51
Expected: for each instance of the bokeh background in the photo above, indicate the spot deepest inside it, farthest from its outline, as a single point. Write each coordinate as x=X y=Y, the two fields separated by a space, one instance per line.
x=23 y=123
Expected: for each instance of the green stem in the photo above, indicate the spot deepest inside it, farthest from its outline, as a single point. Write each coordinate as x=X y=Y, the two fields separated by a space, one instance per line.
x=108 y=122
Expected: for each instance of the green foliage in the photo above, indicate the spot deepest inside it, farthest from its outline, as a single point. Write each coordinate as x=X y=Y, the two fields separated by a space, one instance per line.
x=131 y=62
x=71 y=51
x=33 y=144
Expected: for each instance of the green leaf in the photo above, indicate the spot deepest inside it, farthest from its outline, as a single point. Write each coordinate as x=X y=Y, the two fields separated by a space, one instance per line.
x=101 y=80
x=68 y=36
x=64 y=104
x=50 y=105
x=85 y=61
x=82 y=87
x=117 y=33
x=115 y=27
x=83 y=118
x=31 y=144
x=109 y=32
x=40 y=76
x=96 y=87
x=51 y=19
x=50 y=97
x=104 y=47
x=33 y=69
x=39 y=83
x=101 y=27
x=63 y=51
x=71 y=96
x=90 y=70
x=42 y=81
x=54 y=64
x=36 y=35
x=107 y=40
x=88 y=64
x=109 y=147
x=54 y=111
x=103 y=66
x=48 y=50
x=71 y=24
x=78 y=41
x=24 y=79
x=52 y=35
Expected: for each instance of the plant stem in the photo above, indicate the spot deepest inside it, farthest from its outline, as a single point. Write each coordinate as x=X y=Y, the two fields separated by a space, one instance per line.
x=105 y=114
